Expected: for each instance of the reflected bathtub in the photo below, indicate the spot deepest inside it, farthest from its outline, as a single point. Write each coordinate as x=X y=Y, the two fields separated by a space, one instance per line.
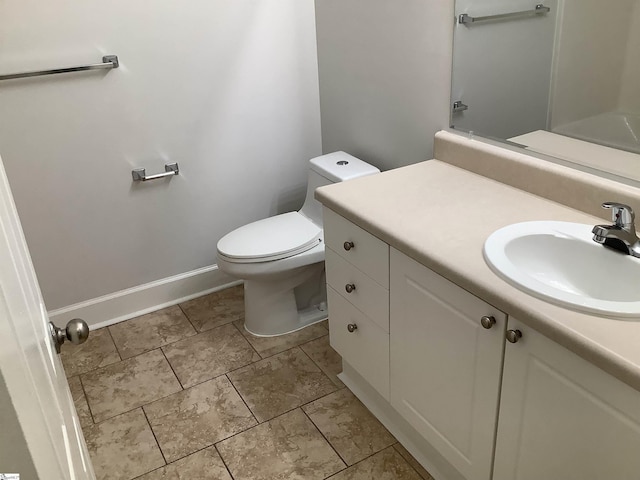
x=613 y=129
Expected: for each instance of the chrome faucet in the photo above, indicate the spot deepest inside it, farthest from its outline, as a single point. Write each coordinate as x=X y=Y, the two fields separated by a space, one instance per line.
x=622 y=234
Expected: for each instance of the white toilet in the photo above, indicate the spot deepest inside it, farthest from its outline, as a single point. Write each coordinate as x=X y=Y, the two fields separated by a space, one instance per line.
x=281 y=258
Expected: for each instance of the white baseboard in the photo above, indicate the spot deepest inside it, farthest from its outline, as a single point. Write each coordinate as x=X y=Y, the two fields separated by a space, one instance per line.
x=132 y=302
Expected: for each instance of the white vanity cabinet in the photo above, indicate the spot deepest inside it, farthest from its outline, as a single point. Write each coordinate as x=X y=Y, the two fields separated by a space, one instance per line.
x=445 y=365
x=357 y=265
x=447 y=382
x=563 y=418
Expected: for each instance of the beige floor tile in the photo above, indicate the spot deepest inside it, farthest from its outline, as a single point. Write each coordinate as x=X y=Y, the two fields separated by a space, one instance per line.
x=129 y=384
x=280 y=383
x=215 y=309
x=329 y=361
x=350 y=428
x=123 y=447
x=98 y=351
x=150 y=331
x=203 y=465
x=385 y=465
x=198 y=417
x=413 y=462
x=209 y=354
x=268 y=346
x=80 y=402
x=287 y=448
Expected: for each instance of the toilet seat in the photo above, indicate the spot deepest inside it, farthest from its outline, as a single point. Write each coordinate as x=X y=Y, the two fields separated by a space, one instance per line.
x=279 y=237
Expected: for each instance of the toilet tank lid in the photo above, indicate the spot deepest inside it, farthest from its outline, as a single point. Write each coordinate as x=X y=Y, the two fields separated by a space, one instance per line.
x=340 y=166
x=271 y=238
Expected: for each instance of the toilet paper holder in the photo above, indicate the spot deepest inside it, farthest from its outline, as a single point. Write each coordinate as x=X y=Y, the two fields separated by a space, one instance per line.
x=140 y=174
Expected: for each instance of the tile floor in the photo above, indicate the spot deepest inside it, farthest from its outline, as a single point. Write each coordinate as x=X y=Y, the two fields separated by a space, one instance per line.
x=187 y=393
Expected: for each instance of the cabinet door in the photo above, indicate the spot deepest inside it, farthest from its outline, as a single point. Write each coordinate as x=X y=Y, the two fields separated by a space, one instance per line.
x=563 y=418
x=445 y=367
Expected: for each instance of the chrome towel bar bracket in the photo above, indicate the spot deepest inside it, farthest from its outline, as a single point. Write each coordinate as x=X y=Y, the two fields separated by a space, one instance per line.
x=458 y=106
x=108 y=62
x=539 y=9
x=140 y=174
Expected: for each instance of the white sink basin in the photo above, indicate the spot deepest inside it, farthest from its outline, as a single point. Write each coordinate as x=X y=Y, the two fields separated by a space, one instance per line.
x=559 y=262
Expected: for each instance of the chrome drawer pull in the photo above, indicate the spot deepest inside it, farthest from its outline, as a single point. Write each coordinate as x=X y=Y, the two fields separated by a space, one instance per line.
x=487 y=321
x=513 y=336
x=352 y=327
x=349 y=287
x=348 y=246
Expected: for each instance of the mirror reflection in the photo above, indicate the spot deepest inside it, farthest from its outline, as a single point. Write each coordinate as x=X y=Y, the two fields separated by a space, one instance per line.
x=561 y=78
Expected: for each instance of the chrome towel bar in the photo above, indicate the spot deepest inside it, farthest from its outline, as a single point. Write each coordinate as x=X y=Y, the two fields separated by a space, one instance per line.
x=108 y=62
x=539 y=9
x=140 y=175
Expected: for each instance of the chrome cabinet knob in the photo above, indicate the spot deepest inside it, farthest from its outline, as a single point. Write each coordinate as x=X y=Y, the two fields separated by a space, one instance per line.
x=352 y=327
x=349 y=287
x=76 y=331
x=513 y=336
x=488 y=321
x=348 y=246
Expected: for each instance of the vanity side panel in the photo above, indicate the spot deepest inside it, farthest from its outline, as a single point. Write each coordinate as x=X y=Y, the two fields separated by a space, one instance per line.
x=562 y=417
x=445 y=367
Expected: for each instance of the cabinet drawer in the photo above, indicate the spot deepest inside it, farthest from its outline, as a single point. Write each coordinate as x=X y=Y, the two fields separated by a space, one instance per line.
x=368 y=253
x=366 y=349
x=367 y=296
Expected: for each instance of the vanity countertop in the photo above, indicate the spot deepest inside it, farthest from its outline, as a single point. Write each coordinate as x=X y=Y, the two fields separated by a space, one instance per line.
x=441 y=215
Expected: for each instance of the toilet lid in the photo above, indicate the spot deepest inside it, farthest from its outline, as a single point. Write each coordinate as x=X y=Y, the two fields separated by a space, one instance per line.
x=273 y=238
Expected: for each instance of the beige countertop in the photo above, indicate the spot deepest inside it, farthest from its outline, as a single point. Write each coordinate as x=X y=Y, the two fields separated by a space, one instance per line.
x=441 y=215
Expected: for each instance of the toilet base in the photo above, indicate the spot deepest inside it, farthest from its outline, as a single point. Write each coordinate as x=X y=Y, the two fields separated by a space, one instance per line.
x=283 y=305
x=309 y=316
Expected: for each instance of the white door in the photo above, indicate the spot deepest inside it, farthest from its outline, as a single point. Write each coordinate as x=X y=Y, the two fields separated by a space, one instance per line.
x=563 y=418
x=29 y=365
x=445 y=367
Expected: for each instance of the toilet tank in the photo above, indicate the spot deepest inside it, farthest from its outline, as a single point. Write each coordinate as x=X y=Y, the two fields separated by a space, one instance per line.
x=327 y=169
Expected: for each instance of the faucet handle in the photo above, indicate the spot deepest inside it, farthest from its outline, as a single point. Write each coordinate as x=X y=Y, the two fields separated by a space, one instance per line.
x=621 y=214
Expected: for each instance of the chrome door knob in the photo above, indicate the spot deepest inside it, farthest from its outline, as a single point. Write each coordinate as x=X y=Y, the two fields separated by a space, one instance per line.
x=513 y=336
x=487 y=321
x=352 y=327
x=348 y=246
x=349 y=287
x=76 y=331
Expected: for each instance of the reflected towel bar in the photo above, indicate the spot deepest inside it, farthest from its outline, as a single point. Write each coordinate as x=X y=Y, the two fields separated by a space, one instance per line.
x=539 y=9
x=140 y=174
x=108 y=62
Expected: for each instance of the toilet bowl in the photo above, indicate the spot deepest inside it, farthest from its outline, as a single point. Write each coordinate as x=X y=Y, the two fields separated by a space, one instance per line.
x=281 y=258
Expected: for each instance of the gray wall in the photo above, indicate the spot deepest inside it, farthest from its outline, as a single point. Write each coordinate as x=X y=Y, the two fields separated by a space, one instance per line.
x=228 y=89
x=384 y=77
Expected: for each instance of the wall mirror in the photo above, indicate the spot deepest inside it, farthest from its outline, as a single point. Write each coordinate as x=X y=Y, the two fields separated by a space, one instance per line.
x=560 y=78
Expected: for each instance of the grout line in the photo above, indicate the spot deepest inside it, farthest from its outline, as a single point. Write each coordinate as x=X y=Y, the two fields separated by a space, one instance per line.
x=215 y=446
x=243 y=401
x=114 y=342
x=154 y=436
x=246 y=339
x=187 y=316
x=171 y=367
x=409 y=463
x=318 y=366
x=86 y=399
x=138 y=406
x=326 y=439
x=314 y=339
